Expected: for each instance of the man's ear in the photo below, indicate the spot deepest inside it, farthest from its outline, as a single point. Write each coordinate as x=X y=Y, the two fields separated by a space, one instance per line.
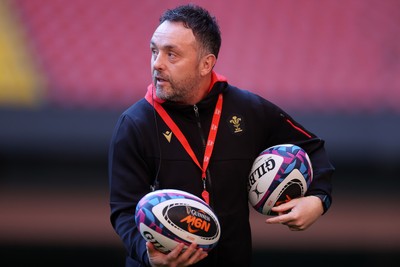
x=207 y=64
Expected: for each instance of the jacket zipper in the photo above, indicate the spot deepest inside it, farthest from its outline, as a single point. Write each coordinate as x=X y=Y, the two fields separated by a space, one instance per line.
x=203 y=140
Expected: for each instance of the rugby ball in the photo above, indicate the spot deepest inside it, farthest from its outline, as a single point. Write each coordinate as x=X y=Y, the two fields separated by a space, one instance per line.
x=168 y=217
x=279 y=174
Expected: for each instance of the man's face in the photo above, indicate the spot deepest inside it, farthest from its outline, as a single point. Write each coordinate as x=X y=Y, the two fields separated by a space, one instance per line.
x=175 y=62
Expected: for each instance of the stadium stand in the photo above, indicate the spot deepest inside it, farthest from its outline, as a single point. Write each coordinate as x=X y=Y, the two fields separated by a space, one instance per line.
x=323 y=56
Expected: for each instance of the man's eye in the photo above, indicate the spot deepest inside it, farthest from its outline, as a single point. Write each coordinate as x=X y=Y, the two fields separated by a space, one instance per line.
x=154 y=51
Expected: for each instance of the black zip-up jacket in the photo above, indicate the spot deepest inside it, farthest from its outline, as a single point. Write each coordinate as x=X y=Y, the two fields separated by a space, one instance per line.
x=139 y=150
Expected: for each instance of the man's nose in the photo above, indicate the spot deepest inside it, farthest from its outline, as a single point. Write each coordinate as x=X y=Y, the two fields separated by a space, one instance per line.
x=158 y=61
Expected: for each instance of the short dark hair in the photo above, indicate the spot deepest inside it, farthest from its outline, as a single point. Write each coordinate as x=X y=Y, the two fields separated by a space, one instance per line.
x=204 y=26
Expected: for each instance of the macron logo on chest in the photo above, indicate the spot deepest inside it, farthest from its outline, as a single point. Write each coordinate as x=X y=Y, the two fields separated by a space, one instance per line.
x=168 y=136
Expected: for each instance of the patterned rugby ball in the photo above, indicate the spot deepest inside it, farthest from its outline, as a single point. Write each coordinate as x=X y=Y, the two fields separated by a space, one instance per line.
x=280 y=173
x=168 y=217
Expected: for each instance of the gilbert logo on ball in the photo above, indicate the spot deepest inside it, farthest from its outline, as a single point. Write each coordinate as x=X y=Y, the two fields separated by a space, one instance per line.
x=279 y=174
x=168 y=217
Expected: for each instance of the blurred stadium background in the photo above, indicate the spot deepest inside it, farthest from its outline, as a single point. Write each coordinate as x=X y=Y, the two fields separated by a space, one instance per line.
x=69 y=68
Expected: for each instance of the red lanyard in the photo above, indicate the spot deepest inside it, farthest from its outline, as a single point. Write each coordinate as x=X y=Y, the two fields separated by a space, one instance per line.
x=182 y=139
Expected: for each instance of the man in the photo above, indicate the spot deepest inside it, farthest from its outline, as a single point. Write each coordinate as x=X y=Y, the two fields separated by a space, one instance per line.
x=147 y=150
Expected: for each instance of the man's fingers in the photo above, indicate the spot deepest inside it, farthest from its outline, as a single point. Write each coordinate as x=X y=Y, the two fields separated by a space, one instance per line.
x=285 y=207
x=176 y=251
x=150 y=247
x=281 y=218
x=196 y=255
x=179 y=255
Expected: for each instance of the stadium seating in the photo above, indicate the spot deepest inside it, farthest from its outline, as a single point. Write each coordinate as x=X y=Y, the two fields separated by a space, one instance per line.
x=326 y=56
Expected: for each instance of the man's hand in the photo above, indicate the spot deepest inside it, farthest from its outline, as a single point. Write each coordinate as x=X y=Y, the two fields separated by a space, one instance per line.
x=298 y=214
x=176 y=257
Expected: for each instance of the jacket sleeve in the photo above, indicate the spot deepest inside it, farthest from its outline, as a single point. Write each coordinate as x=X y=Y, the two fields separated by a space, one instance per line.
x=287 y=130
x=129 y=180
